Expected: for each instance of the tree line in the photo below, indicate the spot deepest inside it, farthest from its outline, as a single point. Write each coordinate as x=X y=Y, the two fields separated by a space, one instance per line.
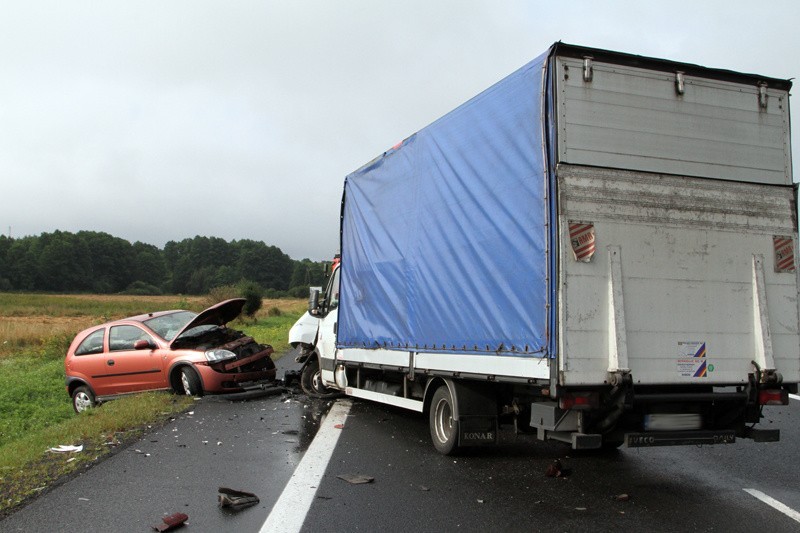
x=90 y=261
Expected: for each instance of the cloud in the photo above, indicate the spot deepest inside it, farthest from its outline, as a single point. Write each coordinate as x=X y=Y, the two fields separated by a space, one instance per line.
x=158 y=121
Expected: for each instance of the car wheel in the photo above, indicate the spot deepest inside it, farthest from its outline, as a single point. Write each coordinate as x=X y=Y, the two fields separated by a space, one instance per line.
x=443 y=426
x=311 y=380
x=83 y=399
x=190 y=382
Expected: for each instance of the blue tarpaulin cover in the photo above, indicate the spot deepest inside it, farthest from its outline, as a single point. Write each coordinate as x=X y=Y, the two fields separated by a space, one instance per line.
x=444 y=238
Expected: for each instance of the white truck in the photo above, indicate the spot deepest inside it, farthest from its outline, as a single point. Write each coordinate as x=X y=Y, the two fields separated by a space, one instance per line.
x=600 y=249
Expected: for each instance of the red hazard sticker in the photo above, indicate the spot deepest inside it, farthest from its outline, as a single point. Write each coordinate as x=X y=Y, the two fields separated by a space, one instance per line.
x=784 y=253
x=581 y=236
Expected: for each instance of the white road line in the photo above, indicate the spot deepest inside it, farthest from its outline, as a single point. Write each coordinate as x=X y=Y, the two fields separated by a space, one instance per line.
x=290 y=510
x=785 y=509
x=794 y=396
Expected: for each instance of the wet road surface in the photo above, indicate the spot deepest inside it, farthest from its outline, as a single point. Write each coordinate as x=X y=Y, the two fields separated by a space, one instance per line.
x=256 y=445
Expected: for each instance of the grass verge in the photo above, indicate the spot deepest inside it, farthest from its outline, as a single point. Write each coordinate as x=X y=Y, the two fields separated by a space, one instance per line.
x=27 y=468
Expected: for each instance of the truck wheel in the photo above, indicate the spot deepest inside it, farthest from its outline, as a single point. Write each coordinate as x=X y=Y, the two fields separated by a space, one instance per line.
x=311 y=380
x=444 y=428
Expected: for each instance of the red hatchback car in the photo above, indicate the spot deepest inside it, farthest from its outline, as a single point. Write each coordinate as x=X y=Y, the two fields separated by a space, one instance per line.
x=187 y=352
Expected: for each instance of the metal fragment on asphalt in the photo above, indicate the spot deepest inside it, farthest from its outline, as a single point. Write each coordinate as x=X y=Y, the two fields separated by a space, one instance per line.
x=356 y=479
x=236 y=499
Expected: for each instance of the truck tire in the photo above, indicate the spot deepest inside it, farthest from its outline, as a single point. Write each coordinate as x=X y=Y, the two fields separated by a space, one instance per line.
x=443 y=425
x=311 y=380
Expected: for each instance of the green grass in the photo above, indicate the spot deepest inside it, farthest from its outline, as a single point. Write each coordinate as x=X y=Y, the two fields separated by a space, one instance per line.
x=273 y=330
x=102 y=307
x=36 y=411
x=26 y=465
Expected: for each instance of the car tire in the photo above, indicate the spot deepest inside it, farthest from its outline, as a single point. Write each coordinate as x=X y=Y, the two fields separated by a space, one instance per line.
x=443 y=425
x=83 y=399
x=190 y=382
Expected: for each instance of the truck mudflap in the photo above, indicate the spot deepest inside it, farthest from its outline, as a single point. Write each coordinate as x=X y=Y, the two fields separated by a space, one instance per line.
x=678 y=438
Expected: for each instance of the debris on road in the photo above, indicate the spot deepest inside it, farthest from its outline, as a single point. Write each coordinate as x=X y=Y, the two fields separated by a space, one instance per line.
x=171 y=522
x=291 y=377
x=236 y=499
x=621 y=498
x=556 y=469
x=356 y=479
x=65 y=448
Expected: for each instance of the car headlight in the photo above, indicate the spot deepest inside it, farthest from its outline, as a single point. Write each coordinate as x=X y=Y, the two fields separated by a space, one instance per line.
x=217 y=355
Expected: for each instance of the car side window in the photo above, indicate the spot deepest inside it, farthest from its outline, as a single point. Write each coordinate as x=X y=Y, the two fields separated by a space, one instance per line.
x=92 y=344
x=124 y=337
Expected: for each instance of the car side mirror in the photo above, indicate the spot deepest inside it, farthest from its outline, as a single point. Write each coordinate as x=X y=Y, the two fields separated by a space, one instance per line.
x=313 y=301
x=142 y=344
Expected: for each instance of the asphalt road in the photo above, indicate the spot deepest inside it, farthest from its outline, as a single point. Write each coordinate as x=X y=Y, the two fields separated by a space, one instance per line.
x=256 y=445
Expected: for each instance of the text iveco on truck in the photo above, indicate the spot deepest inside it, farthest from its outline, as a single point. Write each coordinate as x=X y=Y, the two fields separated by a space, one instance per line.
x=600 y=248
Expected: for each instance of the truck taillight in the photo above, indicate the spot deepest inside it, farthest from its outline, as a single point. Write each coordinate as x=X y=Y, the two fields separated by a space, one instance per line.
x=773 y=397
x=579 y=400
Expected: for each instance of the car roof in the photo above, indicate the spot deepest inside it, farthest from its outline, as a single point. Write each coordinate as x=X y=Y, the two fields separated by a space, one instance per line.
x=148 y=316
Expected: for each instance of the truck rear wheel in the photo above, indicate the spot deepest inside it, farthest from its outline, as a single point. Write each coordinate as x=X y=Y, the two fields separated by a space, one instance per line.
x=443 y=425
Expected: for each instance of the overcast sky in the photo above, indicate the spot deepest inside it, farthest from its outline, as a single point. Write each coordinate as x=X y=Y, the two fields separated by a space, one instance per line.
x=162 y=120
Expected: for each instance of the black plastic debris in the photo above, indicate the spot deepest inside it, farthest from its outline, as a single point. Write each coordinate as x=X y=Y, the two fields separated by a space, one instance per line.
x=236 y=499
x=291 y=377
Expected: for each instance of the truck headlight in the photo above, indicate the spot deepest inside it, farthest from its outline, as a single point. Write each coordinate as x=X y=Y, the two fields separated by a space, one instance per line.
x=218 y=354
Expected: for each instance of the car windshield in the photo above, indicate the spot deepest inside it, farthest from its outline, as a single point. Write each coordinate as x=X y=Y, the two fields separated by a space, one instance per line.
x=198 y=331
x=167 y=326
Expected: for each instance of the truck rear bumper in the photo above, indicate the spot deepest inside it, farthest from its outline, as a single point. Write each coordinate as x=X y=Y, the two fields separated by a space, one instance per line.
x=678 y=438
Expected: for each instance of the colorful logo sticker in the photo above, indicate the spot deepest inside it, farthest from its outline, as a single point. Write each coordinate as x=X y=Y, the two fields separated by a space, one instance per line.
x=581 y=237
x=784 y=253
x=691 y=361
x=701 y=372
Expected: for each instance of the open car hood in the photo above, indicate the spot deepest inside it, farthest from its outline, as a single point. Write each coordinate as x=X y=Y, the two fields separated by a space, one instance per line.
x=216 y=315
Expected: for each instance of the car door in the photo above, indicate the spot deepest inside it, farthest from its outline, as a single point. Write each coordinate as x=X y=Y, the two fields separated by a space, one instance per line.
x=128 y=369
x=89 y=362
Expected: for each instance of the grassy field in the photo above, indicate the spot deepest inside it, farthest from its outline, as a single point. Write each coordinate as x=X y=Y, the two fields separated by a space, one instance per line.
x=35 y=410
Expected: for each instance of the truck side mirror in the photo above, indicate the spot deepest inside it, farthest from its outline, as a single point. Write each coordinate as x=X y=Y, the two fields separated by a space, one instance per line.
x=313 y=301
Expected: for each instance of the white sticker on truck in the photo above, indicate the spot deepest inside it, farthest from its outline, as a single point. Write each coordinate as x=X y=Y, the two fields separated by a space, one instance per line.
x=692 y=361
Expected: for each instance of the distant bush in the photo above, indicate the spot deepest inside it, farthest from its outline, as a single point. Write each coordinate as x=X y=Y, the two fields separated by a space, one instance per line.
x=298 y=292
x=274 y=311
x=274 y=294
x=253 y=294
x=221 y=293
x=140 y=288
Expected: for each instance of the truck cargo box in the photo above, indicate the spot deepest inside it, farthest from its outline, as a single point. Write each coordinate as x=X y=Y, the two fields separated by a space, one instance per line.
x=459 y=240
